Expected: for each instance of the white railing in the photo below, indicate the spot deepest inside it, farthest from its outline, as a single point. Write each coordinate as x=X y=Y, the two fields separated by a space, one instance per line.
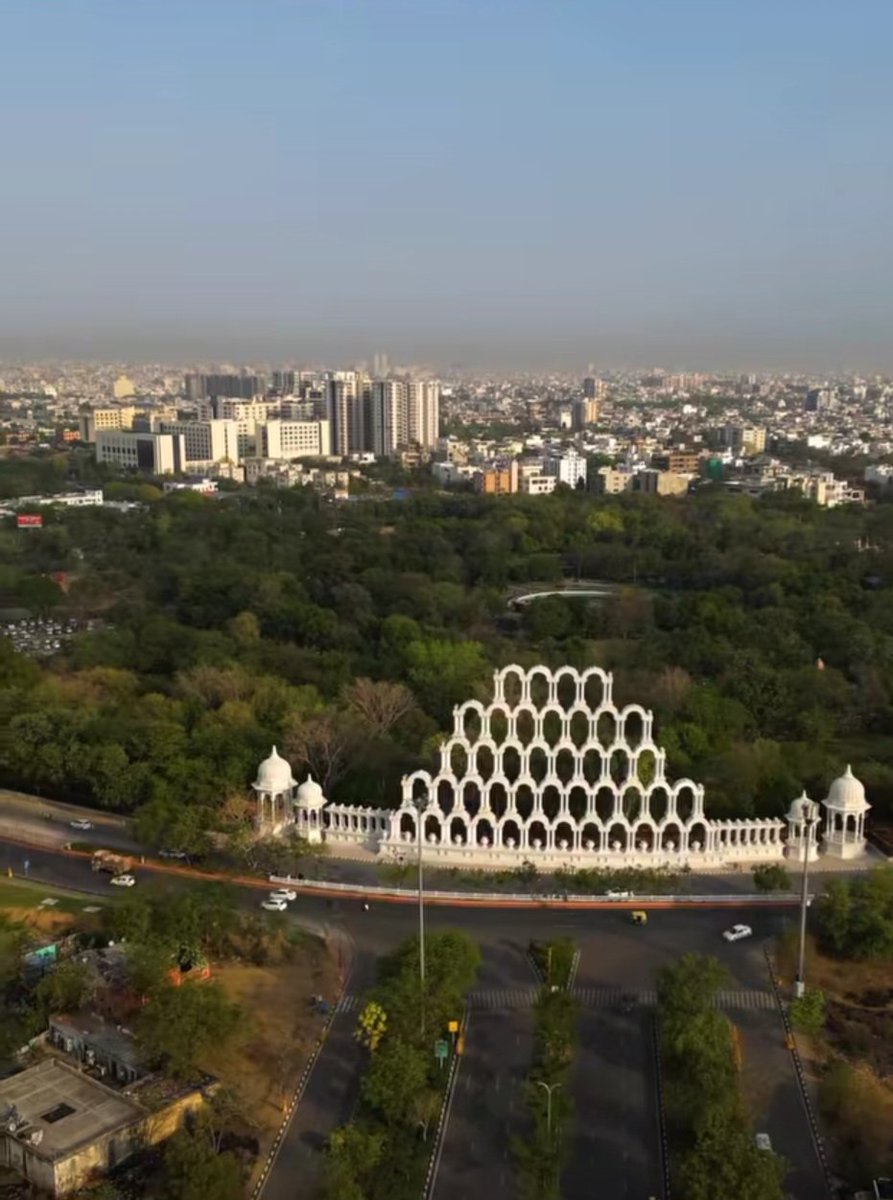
x=739 y=899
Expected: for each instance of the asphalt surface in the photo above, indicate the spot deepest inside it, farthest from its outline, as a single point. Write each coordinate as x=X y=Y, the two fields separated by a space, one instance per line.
x=614 y=1138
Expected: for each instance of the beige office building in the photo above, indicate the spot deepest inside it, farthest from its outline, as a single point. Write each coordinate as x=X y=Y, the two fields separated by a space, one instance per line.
x=292 y=439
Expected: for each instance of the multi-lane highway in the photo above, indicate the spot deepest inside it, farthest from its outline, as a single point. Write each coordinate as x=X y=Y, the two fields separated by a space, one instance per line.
x=614 y=1136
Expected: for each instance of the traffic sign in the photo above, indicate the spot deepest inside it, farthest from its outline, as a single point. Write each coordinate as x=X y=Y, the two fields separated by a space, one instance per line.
x=441 y=1050
x=453 y=1026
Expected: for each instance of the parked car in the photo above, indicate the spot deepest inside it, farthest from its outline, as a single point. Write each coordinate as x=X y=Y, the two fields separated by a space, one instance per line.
x=271 y=905
x=764 y=1142
x=122 y=880
x=80 y=824
x=737 y=932
x=620 y=895
x=285 y=894
x=171 y=853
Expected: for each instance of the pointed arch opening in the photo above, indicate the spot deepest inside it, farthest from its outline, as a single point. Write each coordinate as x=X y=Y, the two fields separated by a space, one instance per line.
x=578 y=728
x=511 y=763
x=498 y=798
x=552 y=726
x=471 y=798
x=537 y=837
x=408 y=826
x=485 y=762
x=458 y=832
x=538 y=763
x=644 y=837
x=671 y=837
x=565 y=837
x=593 y=689
x=498 y=725
x=432 y=830
x=605 y=804
x=458 y=760
x=590 y=837
x=566 y=690
x=446 y=798
x=551 y=801
x=578 y=803
x=697 y=837
x=646 y=767
x=658 y=803
x=510 y=834
x=631 y=804
x=606 y=729
x=565 y=765
x=620 y=766
x=593 y=761
x=617 y=837
x=685 y=802
x=525 y=726
x=524 y=801
x=539 y=687
x=512 y=688
x=471 y=724
x=484 y=832
x=633 y=727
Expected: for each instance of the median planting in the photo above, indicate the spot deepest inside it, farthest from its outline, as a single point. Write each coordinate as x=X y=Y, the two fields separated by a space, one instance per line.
x=410 y=1032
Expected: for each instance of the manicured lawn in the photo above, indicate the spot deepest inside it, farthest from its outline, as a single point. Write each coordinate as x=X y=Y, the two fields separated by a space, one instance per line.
x=17 y=894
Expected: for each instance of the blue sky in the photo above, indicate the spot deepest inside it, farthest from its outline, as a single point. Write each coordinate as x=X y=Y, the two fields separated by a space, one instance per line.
x=683 y=182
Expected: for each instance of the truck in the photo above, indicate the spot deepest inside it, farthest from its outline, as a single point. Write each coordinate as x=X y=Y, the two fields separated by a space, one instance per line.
x=115 y=864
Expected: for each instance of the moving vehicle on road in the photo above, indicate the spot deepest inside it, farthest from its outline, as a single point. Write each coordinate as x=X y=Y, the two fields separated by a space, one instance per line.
x=81 y=823
x=620 y=895
x=115 y=864
x=286 y=894
x=639 y=917
x=122 y=881
x=737 y=933
x=271 y=905
x=171 y=853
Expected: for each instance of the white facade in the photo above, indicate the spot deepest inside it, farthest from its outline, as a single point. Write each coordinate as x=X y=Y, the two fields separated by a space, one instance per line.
x=423 y=412
x=207 y=442
x=390 y=422
x=569 y=468
x=86 y=499
x=155 y=453
x=554 y=772
x=292 y=439
x=536 y=483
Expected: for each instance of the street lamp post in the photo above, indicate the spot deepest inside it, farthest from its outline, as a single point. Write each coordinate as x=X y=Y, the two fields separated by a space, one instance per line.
x=420 y=804
x=810 y=817
x=550 y=1088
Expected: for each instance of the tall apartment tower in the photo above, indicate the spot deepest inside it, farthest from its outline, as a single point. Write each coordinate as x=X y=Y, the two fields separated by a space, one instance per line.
x=390 y=424
x=423 y=417
x=344 y=410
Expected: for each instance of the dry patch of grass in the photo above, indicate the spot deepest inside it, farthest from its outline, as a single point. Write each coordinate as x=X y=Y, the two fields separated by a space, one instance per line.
x=280 y=1032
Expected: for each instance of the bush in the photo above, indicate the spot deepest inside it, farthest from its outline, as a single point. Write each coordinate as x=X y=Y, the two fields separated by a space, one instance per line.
x=808 y=1012
x=771 y=878
x=554 y=960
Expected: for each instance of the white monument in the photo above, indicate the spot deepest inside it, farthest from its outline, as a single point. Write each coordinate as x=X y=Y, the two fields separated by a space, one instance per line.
x=551 y=770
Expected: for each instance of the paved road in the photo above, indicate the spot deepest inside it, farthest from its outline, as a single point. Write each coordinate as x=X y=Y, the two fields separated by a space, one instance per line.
x=615 y=1137
x=770 y=1086
x=488 y=1106
x=328 y=1101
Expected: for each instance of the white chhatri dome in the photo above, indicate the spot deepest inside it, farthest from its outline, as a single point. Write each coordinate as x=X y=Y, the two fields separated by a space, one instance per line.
x=847 y=793
x=310 y=794
x=274 y=774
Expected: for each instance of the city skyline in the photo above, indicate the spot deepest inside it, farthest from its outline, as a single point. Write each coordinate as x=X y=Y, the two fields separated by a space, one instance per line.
x=494 y=186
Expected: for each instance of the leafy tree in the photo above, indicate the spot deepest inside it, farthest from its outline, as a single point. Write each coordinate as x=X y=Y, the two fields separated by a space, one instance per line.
x=371 y=1026
x=396 y=1074
x=65 y=988
x=771 y=877
x=353 y=1155
x=181 y=1026
x=194 y=1170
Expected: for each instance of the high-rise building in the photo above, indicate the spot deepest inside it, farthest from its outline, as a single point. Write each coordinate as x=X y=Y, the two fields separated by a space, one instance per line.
x=589 y=385
x=242 y=386
x=380 y=365
x=390 y=427
x=584 y=412
x=344 y=411
x=423 y=412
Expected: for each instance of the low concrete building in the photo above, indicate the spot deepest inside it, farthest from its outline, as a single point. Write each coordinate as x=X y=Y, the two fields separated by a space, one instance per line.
x=60 y=1128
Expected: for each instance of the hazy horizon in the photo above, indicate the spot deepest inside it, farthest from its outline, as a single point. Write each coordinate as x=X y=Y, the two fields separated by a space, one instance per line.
x=699 y=185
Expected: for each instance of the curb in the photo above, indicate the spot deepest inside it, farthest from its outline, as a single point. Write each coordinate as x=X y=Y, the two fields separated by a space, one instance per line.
x=661 y=1115
x=443 y=1121
x=817 y=1139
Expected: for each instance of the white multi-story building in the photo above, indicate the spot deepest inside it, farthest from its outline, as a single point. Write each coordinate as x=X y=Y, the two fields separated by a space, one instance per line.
x=207 y=442
x=423 y=412
x=568 y=468
x=292 y=439
x=344 y=410
x=390 y=424
x=154 y=453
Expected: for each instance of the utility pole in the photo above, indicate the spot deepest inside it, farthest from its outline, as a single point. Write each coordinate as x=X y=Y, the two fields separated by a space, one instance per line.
x=420 y=804
x=550 y=1088
x=810 y=817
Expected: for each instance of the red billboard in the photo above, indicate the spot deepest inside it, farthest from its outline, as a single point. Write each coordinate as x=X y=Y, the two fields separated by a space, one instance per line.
x=29 y=521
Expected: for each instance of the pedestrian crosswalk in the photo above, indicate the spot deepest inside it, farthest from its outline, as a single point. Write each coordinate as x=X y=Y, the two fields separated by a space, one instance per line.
x=495 y=999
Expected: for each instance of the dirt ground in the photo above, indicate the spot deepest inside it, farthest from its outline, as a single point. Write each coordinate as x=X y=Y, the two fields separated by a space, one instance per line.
x=264 y=1068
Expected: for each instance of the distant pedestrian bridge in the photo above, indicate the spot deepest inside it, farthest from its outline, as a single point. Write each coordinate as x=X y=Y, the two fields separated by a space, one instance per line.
x=589 y=589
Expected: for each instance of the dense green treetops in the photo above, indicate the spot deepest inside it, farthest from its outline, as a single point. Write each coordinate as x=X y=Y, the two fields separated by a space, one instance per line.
x=230 y=624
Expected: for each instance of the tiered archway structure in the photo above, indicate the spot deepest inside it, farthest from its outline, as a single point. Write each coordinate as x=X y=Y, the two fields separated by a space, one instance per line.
x=552 y=766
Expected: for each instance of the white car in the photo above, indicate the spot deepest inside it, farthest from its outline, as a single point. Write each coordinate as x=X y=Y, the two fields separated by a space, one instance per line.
x=285 y=894
x=737 y=933
x=764 y=1142
x=272 y=905
x=122 y=881
x=620 y=895
x=81 y=824
x=171 y=854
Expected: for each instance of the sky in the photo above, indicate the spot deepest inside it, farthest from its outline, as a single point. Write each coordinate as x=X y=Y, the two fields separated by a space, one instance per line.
x=493 y=183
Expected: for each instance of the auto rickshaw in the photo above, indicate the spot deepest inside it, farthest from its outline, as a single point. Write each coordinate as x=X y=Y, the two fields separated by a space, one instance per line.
x=639 y=917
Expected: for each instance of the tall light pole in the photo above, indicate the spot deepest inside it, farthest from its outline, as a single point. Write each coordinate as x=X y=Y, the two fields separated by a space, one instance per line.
x=420 y=803
x=810 y=816
x=550 y=1088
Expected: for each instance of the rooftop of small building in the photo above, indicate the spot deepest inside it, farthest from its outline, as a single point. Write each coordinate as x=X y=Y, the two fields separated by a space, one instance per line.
x=100 y=1034
x=69 y=1108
